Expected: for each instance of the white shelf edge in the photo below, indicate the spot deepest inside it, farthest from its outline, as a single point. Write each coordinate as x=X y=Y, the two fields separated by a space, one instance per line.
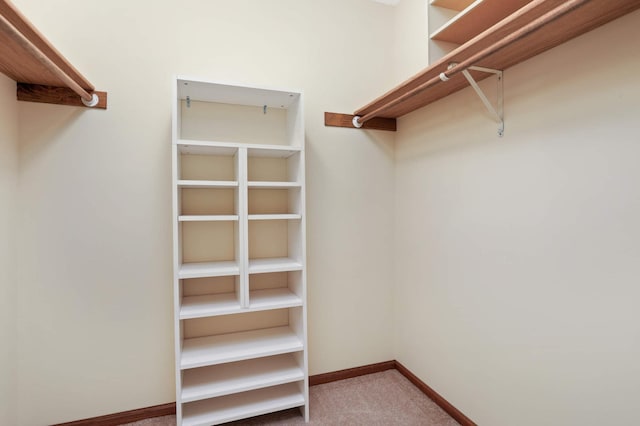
x=212 y=305
x=235 y=145
x=211 y=382
x=253 y=403
x=209 y=305
x=273 y=299
x=208 y=218
x=213 y=350
x=283 y=216
x=186 y=183
x=273 y=185
x=208 y=269
x=278 y=264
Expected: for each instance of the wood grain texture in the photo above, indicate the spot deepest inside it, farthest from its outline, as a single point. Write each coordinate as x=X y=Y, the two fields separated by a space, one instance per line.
x=485 y=14
x=126 y=416
x=335 y=119
x=56 y=95
x=19 y=65
x=350 y=373
x=587 y=17
x=434 y=396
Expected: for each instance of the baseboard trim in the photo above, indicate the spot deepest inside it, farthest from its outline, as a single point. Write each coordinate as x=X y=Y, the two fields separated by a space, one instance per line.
x=317 y=379
x=126 y=416
x=446 y=406
x=350 y=373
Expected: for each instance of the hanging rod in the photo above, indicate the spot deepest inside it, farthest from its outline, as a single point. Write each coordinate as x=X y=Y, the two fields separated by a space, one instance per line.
x=535 y=28
x=465 y=64
x=25 y=47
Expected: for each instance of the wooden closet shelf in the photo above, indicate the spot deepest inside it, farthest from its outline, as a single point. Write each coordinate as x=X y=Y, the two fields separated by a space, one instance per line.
x=43 y=74
x=476 y=18
x=580 y=18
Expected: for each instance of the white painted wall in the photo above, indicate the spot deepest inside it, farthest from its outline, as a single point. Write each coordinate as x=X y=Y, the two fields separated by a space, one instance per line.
x=94 y=300
x=411 y=40
x=8 y=194
x=517 y=258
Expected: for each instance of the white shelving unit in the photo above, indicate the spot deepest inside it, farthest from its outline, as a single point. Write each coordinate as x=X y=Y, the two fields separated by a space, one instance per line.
x=239 y=252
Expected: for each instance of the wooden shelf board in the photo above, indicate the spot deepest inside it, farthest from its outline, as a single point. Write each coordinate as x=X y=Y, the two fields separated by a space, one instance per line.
x=38 y=83
x=239 y=406
x=56 y=95
x=335 y=119
x=452 y=4
x=213 y=350
x=216 y=381
x=18 y=64
x=581 y=20
x=208 y=269
x=476 y=18
x=195 y=184
x=209 y=218
x=278 y=264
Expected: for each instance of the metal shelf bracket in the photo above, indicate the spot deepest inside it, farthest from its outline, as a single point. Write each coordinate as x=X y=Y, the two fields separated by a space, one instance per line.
x=498 y=111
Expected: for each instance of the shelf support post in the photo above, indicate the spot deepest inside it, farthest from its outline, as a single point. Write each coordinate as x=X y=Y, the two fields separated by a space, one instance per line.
x=498 y=111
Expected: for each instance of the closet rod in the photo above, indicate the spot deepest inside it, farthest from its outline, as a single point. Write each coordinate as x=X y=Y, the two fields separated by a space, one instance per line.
x=88 y=99
x=524 y=31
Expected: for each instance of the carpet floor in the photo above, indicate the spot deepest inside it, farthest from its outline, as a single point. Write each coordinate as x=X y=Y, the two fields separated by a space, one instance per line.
x=379 y=399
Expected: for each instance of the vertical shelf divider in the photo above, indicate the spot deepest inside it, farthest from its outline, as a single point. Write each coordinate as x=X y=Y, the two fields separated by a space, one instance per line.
x=242 y=250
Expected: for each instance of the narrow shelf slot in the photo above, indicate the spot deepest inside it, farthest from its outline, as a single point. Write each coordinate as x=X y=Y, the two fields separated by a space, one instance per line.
x=212 y=350
x=278 y=264
x=208 y=269
x=242 y=376
x=208 y=218
x=239 y=406
x=195 y=184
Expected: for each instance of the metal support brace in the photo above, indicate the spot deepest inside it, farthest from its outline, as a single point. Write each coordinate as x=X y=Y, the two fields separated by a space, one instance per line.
x=497 y=113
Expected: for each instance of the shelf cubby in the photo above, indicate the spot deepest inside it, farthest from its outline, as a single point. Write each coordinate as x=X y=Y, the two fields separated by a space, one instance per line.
x=220 y=349
x=214 y=381
x=283 y=289
x=247 y=404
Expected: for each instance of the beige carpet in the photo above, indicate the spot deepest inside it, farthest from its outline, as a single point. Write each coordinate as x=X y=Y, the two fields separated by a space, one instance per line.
x=383 y=399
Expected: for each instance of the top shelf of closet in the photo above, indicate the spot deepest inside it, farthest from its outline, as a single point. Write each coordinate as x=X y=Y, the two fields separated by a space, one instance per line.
x=473 y=18
x=584 y=17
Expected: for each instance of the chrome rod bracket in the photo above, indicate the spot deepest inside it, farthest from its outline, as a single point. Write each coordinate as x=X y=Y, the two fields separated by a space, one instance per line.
x=498 y=111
